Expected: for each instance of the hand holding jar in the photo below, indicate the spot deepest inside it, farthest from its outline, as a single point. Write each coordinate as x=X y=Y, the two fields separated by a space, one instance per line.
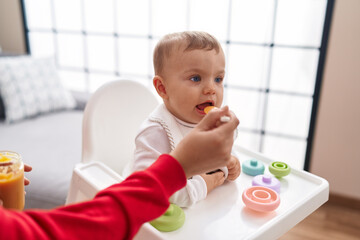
x=12 y=180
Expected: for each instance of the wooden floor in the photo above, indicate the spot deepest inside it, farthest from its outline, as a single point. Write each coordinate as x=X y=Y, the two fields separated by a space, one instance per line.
x=331 y=221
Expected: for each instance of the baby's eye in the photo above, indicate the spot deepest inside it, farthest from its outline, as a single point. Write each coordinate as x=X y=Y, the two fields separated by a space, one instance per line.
x=195 y=78
x=218 y=79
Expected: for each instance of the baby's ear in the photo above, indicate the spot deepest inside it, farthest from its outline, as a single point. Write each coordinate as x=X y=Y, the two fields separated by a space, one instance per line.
x=160 y=86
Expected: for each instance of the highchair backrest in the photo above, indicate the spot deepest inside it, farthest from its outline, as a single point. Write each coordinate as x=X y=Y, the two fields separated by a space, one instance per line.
x=111 y=120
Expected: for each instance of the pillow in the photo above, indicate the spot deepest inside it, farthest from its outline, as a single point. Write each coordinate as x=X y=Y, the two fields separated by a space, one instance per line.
x=81 y=99
x=31 y=86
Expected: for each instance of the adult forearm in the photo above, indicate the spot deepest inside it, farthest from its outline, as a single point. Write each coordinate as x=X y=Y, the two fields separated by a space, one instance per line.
x=116 y=212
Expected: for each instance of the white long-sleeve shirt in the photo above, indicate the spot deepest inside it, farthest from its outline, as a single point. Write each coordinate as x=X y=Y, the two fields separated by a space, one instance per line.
x=158 y=134
x=152 y=141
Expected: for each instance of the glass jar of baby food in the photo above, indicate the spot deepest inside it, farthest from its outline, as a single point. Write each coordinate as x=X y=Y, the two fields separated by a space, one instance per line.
x=11 y=180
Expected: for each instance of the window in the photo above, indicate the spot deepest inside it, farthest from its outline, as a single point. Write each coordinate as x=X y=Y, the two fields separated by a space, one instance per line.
x=274 y=53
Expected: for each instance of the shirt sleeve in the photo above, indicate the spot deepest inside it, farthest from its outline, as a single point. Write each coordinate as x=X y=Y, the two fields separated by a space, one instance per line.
x=115 y=213
x=150 y=143
x=194 y=191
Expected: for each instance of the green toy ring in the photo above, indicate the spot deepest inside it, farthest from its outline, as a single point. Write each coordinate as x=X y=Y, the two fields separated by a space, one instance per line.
x=279 y=169
x=171 y=220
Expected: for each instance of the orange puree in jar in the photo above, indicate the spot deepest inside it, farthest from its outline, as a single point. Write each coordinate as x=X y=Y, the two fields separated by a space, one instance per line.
x=11 y=180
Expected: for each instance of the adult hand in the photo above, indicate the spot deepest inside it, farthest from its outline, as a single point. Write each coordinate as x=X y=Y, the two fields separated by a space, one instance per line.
x=27 y=168
x=208 y=145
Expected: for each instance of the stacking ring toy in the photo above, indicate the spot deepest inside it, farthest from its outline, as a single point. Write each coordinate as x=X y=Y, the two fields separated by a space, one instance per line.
x=279 y=169
x=253 y=167
x=172 y=219
x=267 y=181
x=261 y=199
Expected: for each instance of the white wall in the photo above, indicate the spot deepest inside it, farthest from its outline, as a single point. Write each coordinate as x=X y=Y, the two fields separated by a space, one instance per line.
x=336 y=149
x=12 y=37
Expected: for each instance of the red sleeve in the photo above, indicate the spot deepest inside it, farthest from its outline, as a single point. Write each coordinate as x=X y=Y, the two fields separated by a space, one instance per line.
x=115 y=213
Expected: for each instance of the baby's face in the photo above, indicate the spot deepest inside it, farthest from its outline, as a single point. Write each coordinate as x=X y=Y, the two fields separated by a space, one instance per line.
x=193 y=80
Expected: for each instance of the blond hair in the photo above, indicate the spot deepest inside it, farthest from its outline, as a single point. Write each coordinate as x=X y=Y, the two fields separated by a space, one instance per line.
x=189 y=40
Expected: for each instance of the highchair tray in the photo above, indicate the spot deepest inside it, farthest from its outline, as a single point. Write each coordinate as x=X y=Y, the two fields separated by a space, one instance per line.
x=223 y=215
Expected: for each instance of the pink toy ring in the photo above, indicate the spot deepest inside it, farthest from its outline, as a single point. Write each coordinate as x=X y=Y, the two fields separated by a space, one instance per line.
x=261 y=199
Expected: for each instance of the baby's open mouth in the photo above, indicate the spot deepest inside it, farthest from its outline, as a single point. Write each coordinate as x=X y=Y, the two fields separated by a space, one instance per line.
x=202 y=106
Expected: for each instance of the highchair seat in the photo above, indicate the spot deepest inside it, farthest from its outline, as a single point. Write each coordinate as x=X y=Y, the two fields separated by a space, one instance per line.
x=111 y=120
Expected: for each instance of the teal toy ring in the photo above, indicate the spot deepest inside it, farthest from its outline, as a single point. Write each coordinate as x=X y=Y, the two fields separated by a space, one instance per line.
x=279 y=169
x=253 y=167
x=171 y=220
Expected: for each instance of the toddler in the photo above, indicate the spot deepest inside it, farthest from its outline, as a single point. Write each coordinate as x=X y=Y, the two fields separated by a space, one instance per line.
x=189 y=72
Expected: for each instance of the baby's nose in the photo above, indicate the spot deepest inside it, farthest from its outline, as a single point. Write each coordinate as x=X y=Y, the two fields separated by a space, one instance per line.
x=209 y=88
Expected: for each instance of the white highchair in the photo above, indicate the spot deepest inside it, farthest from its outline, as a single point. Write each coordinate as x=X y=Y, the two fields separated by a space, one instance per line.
x=111 y=120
